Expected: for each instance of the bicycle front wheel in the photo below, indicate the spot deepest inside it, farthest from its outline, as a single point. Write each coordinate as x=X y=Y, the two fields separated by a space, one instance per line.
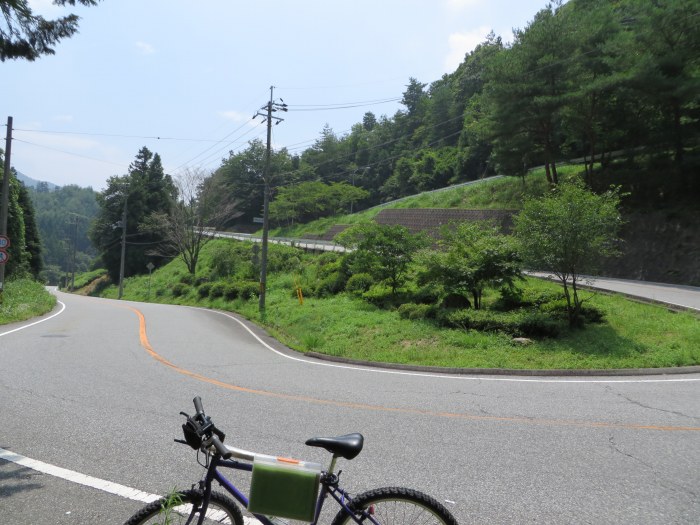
x=184 y=507
x=396 y=505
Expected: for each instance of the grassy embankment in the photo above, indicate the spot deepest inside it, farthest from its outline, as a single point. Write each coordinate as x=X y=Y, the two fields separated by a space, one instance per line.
x=632 y=335
x=24 y=299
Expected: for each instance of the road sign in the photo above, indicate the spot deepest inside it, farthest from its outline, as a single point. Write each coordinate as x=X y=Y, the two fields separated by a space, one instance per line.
x=4 y=242
x=150 y=266
x=258 y=220
x=4 y=256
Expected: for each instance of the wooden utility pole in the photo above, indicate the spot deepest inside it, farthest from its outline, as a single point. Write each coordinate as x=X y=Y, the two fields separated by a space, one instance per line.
x=269 y=108
x=5 y=196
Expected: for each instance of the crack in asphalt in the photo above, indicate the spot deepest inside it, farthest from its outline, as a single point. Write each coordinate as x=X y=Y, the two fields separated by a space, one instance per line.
x=648 y=407
x=665 y=483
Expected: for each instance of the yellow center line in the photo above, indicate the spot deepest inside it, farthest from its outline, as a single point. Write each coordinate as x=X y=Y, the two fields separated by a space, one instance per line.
x=413 y=411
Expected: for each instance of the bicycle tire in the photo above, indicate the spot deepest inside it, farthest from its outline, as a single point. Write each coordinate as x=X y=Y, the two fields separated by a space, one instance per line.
x=393 y=505
x=222 y=509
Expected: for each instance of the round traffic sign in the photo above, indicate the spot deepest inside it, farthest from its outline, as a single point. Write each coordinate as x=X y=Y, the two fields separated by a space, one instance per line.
x=4 y=241
x=4 y=256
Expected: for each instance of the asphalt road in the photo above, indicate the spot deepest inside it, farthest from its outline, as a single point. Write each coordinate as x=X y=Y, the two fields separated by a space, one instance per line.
x=97 y=389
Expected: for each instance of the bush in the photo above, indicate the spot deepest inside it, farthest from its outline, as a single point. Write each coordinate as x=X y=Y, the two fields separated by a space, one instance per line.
x=217 y=290
x=179 y=289
x=330 y=285
x=359 y=283
x=248 y=290
x=416 y=311
x=523 y=323
x=203 y=290
x=231 y=291
x=201 y=280
x=379 y=295
x=535 y=324
x=188 y=278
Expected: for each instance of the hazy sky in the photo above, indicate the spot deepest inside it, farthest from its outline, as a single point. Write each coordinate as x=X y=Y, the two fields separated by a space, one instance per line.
x=194 y=73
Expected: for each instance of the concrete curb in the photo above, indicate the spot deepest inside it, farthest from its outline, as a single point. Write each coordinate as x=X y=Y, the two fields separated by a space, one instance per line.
x=566 y=372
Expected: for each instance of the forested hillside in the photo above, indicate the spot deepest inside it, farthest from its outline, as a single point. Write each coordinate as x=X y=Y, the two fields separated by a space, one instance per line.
x=63 y=216
x=598 y=80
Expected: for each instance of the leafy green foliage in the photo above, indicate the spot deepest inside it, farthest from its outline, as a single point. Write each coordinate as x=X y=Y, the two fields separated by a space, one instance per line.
x=63 y=218
x=568 y=232
x=145 y=190
x=470 y=258
x=383 y=251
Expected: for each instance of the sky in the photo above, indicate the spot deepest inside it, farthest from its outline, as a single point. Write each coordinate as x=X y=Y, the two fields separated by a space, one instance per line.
x=185 y=78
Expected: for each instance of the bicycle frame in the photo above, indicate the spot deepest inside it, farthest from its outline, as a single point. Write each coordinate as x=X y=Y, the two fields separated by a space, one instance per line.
x=329 y=486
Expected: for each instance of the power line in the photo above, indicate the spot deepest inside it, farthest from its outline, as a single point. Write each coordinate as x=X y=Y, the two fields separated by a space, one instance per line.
x=69 y=153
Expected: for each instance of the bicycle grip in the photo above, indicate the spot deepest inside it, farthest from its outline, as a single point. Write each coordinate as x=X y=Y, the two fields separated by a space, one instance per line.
x=198 y=405
x=220 y=448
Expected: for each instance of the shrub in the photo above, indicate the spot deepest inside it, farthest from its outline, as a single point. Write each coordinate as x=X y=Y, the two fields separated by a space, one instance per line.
x=179 y=289
x=379 y=295
x=203 y=290
x=201 y=280
x=521 y=323
x=416 y=311
x=216 y=290
x=188 y=278
x=330 y=285
x=535 y=324
x=248 y=289
x=231 y=291
x=359 y=283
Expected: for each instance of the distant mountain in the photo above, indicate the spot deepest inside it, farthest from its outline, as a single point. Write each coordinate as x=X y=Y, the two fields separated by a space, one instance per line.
x=33 y=183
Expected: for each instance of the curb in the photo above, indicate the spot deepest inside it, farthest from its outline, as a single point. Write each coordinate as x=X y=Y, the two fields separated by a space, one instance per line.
x=566 y=372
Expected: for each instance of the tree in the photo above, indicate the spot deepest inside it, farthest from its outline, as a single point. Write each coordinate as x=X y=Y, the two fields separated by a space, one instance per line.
x=186 y=227
x=144 y=190
x=240 y=179
x=472 y=256
x=383 y=251
x=527 y=89
x=567 y=232
x=31 y=232
x=26 y=35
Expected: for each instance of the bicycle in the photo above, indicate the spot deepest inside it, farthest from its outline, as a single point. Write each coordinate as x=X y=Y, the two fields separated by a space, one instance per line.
x=281 y=488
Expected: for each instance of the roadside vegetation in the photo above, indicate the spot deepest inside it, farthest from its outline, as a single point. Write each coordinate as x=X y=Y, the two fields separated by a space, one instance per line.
x=23 y=299
x=405 y=327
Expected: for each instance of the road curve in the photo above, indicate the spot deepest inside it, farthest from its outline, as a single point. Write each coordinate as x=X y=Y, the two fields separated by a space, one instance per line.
x=97 y=390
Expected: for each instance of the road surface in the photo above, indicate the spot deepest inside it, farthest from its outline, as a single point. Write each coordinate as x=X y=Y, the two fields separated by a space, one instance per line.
x=96 y=390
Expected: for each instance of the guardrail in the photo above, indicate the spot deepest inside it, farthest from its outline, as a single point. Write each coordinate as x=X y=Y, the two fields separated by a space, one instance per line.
x=306 y=244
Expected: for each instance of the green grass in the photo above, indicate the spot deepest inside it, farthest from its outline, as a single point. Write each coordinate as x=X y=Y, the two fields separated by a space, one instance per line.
x=635 y=334
x=83 y=279
x=23 y=299
x=505 y=193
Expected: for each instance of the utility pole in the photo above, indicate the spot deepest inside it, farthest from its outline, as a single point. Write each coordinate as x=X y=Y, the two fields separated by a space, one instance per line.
x=5 y=197
x=269 y=108
x=121 y=264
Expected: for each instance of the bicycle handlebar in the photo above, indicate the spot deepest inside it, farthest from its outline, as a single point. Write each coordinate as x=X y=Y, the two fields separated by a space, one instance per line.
x=201 y=433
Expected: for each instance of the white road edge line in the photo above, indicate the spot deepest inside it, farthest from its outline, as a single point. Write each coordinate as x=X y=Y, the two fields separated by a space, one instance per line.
x=77 y=477
x=444 y=376
x=89 y=481
x=63 y=307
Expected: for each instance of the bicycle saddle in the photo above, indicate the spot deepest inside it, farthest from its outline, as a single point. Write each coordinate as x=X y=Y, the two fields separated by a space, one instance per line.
x=347 y=446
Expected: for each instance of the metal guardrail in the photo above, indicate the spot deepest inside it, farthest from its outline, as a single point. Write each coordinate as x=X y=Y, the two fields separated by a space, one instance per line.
x=306 y=244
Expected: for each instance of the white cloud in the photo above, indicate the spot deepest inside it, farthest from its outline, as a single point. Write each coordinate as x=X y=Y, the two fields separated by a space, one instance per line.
x=462 y=43
x=145 y=48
